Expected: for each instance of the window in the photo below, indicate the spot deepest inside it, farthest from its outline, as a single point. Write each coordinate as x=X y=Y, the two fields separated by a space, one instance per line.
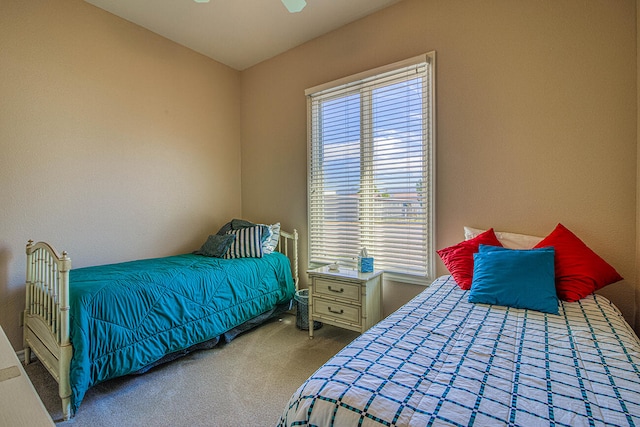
x=371 y=168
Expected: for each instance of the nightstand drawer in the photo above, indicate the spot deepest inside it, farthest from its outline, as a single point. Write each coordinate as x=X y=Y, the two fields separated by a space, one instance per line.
x=342 y=312
x=337 y=289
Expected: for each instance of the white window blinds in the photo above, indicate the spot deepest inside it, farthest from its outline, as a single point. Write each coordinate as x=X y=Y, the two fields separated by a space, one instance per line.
x=371 y=169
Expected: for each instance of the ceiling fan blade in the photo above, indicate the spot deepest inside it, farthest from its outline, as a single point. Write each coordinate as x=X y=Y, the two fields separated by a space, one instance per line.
x=294 y=5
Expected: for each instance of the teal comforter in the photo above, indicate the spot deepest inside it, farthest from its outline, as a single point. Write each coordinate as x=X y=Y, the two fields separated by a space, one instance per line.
x=129 y=315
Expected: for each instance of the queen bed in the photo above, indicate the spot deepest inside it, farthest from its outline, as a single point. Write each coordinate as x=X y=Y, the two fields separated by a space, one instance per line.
x=92 y=324
x=445 y=359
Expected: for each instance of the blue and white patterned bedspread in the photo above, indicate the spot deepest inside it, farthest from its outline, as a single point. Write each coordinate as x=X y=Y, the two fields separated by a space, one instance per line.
x=440 y=360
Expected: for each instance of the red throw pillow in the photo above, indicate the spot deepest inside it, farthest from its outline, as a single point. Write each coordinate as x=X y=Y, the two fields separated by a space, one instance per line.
x=579 y=270
x=459 y=258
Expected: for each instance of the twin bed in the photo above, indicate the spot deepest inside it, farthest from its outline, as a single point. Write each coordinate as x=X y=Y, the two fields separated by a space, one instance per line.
x=92 y=324
x=442 y=360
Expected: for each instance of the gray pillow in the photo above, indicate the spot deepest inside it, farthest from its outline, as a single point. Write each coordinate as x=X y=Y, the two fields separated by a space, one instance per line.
x=216 y=246
x=235 y=224
x=239 y=224
x=224 y=229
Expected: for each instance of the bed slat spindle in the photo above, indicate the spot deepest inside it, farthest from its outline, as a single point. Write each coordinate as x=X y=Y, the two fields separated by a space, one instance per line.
x=283 y=247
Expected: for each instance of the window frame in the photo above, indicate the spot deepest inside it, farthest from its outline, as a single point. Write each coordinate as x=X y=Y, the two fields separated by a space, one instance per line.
x=347 y=84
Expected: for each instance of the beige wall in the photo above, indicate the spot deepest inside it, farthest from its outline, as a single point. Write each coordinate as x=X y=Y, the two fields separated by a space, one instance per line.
x=116 y=143
x=637 y=299
x=536 y=119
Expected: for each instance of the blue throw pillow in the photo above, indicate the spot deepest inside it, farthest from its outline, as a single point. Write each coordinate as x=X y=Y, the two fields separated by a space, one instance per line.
x=515 y=278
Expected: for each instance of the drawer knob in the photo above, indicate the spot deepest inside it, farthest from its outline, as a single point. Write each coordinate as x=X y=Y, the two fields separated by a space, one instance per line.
x=335 y=311
x=341 y=290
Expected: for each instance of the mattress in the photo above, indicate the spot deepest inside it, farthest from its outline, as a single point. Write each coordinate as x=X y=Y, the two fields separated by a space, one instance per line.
x=124 y=317
x=440 y=360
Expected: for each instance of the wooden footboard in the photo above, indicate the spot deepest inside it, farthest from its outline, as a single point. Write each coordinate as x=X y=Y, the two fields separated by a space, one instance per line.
x=46 y=315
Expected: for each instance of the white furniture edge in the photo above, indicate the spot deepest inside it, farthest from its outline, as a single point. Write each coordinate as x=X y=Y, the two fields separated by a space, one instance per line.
x=20 y=404
x=46 y=313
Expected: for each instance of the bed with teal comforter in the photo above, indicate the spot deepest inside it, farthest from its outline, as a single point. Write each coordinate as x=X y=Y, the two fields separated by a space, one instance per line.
x=125 y=317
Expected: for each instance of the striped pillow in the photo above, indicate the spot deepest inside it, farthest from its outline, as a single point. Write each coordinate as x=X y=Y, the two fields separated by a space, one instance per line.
x=248 y=243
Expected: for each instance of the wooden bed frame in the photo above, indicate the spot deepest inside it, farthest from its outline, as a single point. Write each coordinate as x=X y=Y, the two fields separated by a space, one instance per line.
x=46 y=313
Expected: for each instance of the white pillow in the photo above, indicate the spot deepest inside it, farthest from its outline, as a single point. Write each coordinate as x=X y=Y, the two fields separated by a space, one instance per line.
x=508 y=240
x=270 y=244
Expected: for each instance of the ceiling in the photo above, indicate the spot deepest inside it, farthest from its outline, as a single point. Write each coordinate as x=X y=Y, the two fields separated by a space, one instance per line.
x=240 y=33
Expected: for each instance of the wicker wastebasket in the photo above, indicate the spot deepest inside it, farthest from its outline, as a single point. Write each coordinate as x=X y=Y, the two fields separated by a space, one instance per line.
x=302 y=311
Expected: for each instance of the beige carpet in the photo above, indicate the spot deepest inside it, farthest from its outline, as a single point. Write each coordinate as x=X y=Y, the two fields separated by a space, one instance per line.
x=247 y=382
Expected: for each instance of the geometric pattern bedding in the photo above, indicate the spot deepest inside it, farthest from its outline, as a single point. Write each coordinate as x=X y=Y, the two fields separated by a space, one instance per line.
x=126 y=316
x=440 y=360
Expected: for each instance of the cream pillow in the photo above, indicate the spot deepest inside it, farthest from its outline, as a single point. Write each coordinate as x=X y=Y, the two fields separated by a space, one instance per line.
x=508 y=240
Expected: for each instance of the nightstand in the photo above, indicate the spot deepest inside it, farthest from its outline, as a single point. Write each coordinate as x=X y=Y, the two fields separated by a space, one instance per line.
x=345 y=298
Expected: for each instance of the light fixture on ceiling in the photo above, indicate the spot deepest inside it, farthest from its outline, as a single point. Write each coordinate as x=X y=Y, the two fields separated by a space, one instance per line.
x=294 y=6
